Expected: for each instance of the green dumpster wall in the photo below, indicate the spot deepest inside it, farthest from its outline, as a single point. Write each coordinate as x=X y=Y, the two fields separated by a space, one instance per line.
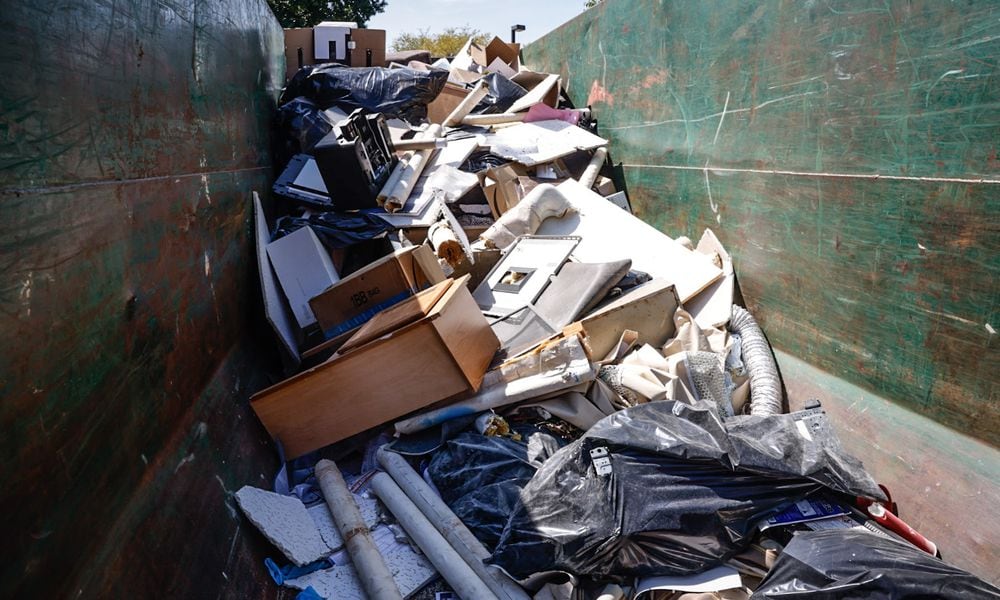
x=132 y=136
x=846 y=153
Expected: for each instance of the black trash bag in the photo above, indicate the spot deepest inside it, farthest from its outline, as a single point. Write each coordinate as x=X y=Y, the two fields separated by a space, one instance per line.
x=335 y=230
x=684 y=492
x=844 y=564
x=300 y=125
x=403 y=93
x=500 y=96
x=480 y=477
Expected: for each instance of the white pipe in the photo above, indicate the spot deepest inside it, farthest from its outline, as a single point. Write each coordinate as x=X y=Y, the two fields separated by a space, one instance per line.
x=594 y=167
x=494 y=119
x=368 y=562
x=556 y=367
x=526 y=216
x=467 y=104
x=390 y=183
x=449 y=525
x=445 y=559
x=411 y=173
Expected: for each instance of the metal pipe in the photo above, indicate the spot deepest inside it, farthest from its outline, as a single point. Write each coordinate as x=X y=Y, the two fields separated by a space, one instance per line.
x=765 y=386
x=449 y=525
x=445 y=559
x=368 y=562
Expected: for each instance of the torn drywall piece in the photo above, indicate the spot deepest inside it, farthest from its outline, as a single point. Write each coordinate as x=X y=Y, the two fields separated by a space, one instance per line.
x=284 y=521
x=609 y=233
x=543 y=141
x=328 y=530
x=410 y=571
x=713 y=306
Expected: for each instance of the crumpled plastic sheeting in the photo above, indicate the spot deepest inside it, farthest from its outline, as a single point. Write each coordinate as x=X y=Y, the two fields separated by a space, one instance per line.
x=300 y=125
x=404 y=93
x=685 y=492
x=335 y=230
x=849 y=564
x=500 y=95
x=480 y=477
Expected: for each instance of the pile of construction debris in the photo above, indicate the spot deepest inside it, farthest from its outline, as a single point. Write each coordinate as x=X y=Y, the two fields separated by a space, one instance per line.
x=527 y=390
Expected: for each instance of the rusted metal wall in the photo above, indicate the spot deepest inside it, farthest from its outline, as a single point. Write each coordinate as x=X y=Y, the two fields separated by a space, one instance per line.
x=846 y=155
x=132 y=135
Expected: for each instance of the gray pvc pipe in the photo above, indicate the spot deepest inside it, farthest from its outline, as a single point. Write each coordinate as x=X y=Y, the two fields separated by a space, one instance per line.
x=449 y=526
x=368 y=562
x=445 y=559
x=765 y=386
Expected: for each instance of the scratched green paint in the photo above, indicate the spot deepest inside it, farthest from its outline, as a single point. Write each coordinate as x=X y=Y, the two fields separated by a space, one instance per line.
x=888 y=284
x=134 y=133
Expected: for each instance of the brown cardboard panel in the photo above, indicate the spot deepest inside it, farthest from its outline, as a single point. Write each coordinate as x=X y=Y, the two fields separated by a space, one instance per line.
x=364 y=40
x=450 y=97
x=355 y=299
x=301 y=37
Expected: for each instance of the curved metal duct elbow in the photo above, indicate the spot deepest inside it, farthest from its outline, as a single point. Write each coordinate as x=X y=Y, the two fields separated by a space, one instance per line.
x=765 y=385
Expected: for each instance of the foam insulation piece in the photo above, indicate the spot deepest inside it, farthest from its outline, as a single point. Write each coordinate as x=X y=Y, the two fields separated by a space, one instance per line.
x=328 y=529
x=285 y=522
x=410 y=571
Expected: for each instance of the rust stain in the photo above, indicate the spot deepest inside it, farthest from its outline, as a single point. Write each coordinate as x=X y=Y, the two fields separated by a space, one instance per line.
x=599 y=94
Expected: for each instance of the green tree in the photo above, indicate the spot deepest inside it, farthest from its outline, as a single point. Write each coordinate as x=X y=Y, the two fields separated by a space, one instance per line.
x=446 y=43
x=308 y=13
x=592 y=3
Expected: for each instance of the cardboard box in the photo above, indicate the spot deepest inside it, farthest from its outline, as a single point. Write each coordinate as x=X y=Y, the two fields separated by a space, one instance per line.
x=497 y=48
x=541 y=87
x=301 y=37
x=442 y=353
x=365 y=40
x=357 y=298
x=450 y=97
x=304 y=268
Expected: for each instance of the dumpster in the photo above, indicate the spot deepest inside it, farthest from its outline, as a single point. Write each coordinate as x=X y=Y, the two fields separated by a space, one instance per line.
x=844 y=156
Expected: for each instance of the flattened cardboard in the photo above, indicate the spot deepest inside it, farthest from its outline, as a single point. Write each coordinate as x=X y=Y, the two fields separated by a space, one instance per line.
x=364 y=40
x=436 y=357
x=450 y=97
x=357 y=298
x=295 y=38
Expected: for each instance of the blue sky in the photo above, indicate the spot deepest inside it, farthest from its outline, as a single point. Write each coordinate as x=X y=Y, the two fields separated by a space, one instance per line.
x=490 y=16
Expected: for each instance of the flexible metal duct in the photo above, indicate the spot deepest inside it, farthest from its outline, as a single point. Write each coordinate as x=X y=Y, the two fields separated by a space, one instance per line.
x=765 y=385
